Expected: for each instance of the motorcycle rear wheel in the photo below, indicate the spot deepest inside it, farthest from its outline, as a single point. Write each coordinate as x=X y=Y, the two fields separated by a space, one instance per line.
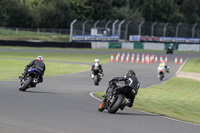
x=117 y=104
x=25 y=86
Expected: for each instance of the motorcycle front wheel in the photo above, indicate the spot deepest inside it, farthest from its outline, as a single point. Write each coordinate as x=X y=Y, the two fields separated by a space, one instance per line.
x=96 y=80
x=26 y=84
x=161 y=77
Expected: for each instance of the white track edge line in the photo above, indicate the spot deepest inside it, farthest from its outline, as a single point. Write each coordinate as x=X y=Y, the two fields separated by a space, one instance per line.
x=92 y=95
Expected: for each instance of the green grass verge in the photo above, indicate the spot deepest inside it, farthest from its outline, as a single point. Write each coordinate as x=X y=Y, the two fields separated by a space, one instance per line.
x=11 y=69
x=178 y=98
x=71 y=57
x=192 y=65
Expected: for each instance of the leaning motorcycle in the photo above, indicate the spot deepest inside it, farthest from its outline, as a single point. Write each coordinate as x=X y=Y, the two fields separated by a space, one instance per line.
x=30 y=80
x=116 y=98
x=96 y=74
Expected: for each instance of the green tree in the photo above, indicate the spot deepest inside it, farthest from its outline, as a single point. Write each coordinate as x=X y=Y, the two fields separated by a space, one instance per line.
x=125 y=13
x=191 y=10
x=165 y=11
x=82 y=10
x=119 y=3
x=102 y=9
x=14 y=14
x=56 y=14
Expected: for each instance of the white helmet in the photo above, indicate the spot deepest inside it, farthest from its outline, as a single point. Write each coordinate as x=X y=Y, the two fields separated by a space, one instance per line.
x=96 y=60
x=40 y=58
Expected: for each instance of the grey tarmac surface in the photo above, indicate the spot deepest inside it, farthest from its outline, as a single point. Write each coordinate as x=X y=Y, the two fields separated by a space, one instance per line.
x=62 y=104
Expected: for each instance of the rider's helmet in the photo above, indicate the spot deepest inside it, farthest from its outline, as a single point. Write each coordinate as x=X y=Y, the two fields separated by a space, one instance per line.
x=96 y=60
x=40 y=58
x=130 y=73
x=160 y=64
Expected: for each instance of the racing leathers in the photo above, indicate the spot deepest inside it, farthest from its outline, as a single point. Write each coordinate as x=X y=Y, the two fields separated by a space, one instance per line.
x=37 y=64
x=161 y=68
x=100 y=68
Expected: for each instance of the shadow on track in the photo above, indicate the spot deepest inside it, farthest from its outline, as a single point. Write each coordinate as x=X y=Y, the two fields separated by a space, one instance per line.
x=133 y=114
x=41 y=92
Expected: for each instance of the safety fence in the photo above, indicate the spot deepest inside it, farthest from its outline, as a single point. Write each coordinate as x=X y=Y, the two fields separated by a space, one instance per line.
x=28 y=31
x=90 y=30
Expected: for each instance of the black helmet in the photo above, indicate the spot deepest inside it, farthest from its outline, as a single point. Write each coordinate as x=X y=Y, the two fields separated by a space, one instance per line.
x=130 y=73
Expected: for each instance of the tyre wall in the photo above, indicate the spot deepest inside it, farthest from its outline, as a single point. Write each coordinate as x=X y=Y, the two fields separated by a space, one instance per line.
x=46 y=44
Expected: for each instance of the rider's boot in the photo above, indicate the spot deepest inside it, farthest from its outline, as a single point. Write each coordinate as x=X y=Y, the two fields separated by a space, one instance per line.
x=92 y=75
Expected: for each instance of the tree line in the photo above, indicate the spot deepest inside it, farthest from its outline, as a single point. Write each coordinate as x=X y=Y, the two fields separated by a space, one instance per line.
x=60 y=13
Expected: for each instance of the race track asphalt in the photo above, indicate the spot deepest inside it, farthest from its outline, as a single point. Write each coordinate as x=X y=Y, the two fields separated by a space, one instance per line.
x=62 y=104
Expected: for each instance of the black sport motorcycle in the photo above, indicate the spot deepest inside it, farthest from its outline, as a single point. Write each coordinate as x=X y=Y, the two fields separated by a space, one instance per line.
x=169 y=50
x=96 y=74
x=115 y=99
x=30 y=80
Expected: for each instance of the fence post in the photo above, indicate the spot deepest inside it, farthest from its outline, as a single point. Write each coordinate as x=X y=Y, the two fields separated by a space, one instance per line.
x=83 y=32
x=177 y=29
x=193 y=28
x=71 y=29
x=95 y=25
x=119 y=28
x=107 y=26
x=152 y=28
x=113 y=27
x=126 y=32
x=164 y=29
x=16 y=30
x=38 y=31
x=140 y=27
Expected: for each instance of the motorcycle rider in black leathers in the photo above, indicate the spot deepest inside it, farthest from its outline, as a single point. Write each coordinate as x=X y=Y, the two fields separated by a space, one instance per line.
x=37 y=64
x=130 y=81
x=100 y=68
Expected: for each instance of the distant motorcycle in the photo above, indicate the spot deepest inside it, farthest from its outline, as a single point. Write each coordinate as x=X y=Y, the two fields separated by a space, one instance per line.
x=170 y=50
x=31 y=79
x=96 y=75
x=117 y=100
x=161 y=75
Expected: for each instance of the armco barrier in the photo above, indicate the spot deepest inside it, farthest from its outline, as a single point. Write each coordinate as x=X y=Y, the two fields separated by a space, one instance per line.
x=45 y=44
x=127 y=45
x=153 y=46
x=189 y=47
x=99 y=45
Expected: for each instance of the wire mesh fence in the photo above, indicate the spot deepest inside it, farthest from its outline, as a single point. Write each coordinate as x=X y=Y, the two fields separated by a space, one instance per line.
x=26 y=31
x=125 y=28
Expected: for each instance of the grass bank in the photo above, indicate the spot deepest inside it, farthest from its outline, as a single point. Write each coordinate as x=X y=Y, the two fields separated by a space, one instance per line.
x=192 y=65
x=13 y=62
x=71 y=57
x=178 y=98
x=11 y=69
